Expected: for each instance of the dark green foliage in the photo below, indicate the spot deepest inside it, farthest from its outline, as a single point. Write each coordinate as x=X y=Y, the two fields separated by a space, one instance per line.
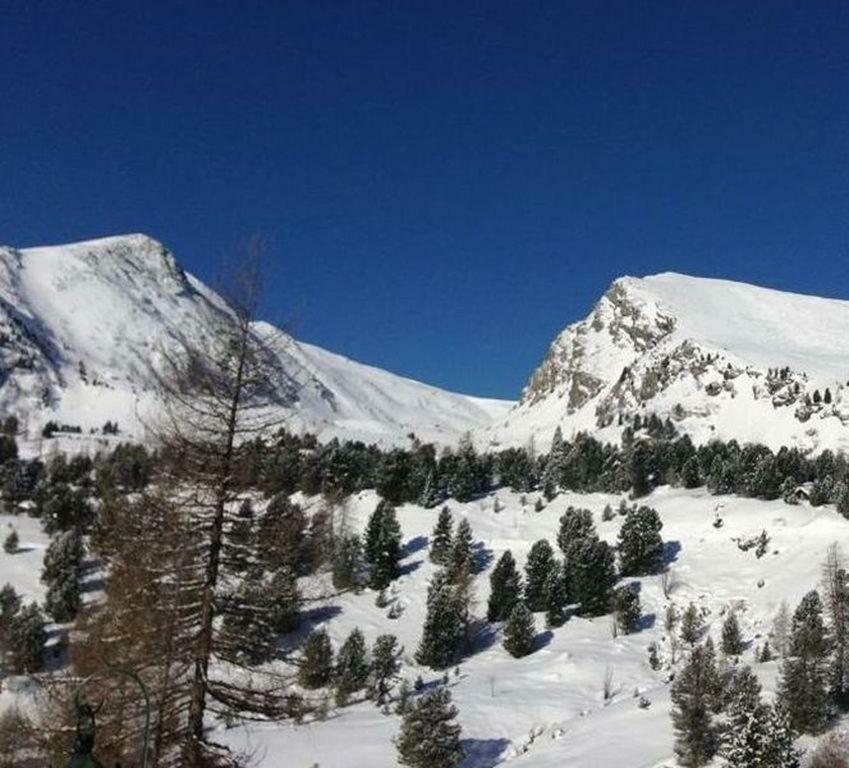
x=626 y=608
x=384 y=668
x=352 y=668
x=803 y=686
x=11 y=542
x=239 y=545
x=281 y=535
x=692 y=713
x=247 y=635
x=640 y=544
x=575 y=524
x=441 y=541
x=25 y=640
x=383 y=546
x=429 y=737
x=732 y=640
x=505 y=588
x=62 y=572
x=62 y=507
x=347 y=562
x=285 y=601
x=538 y=567
x=519 y=631
x=444 y=624
x=461 y=563
x=691 y=625
x=316 y=668
x=590 y=574
x=555 y=597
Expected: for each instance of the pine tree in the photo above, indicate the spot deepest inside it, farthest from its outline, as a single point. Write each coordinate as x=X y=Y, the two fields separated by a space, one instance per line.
x=352 y=668
x=282 y=535
x=285 y=601
x=347 y=562
x=640 y=544
x=575 y=524
x=781 y=751
x=429 y=737
x=505 y=588
x=690 y=474
x=519 y=631
x=443 y=625
x=26 y=638
x=240 y=544
x=538 y=567
x=836 y=598
x=62 y=571
x=732 y=641
x=384 y=668
x=553 y=474
x=383 y=546
x=11 y=543
x=626 y=608
x=461 y=562
x=441 y=541
x=247 y=635
x=692 y=717
x=316 y=668
x=802 y=688
x=691 y=625
x=781 y=630
x=590 y=574
x=555 y=598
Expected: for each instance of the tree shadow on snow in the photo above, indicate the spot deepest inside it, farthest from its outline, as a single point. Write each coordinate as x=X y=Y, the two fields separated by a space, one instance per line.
x=484 y=638
x=309 y=620
x=482 y=556
x=647 y=621
x=414 y=545
x=542 y=639
x=671 y=550
x=483 y=753
x=407 y=568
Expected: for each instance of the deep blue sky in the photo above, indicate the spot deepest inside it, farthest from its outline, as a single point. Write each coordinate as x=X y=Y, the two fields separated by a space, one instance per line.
x=442 y=186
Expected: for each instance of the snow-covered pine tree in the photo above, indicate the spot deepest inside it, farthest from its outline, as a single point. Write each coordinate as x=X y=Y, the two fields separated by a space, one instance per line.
x=538 y=567
x=282 y=535
x=25 y=639
x=384 y=668
x=640 y=544
x=803 y=686
x=781 y=626
x=519 y=631
x=835 y=584
x=316 y=668
x=248 y=634
x=62 y=571
x=553 y=474
x=352 y=667
x=505 y=588
x=441 y=538
x=240 y=544
x=384 y=551
x=443 y=626
x=732 y=640
x=429 y=737
x=692 y=716
x=347 y=562
x=575 y=524
x=374 y=526
x=285 y=601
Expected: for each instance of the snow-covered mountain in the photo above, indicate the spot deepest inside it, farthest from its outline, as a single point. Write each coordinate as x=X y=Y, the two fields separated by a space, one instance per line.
x=719 y=358
x=82 y=324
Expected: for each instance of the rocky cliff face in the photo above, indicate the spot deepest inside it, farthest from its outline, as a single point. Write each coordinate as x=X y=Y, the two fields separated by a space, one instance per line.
x=720 y=359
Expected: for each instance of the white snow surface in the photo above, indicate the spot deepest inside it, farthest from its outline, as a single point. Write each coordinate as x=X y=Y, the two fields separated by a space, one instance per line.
x=546 y=710
x=702 y=352
x=81 y=325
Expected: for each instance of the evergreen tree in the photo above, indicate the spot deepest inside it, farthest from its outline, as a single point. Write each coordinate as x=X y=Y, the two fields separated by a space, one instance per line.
x=347 y=562
x=590 y=574
x=555 y=598
x=26 y=639
x=553 y=474
x=461 y=562
x=690 y=475
x=383 y=546
x=575 y=524
x=519 y=631
x=732 y=641
x=247 y=635
x=240 y=542
x=836 y=600
x=11 y=543
x=640 y=544
x=441 y=541
x=540 y=564
x=802 y=689
x=285 y=601
x=443 y=625
x=316 y=668
x=62 y=571
x=429 y=737
x=692 y=716
x=626 y=608
x=505 y=588
x=282 y=535
x=691 y=625
x=352 y=668
x=384 y=668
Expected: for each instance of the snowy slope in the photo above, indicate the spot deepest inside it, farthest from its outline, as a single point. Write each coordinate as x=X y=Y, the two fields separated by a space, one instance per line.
x=82 y=324
x=706 y=353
